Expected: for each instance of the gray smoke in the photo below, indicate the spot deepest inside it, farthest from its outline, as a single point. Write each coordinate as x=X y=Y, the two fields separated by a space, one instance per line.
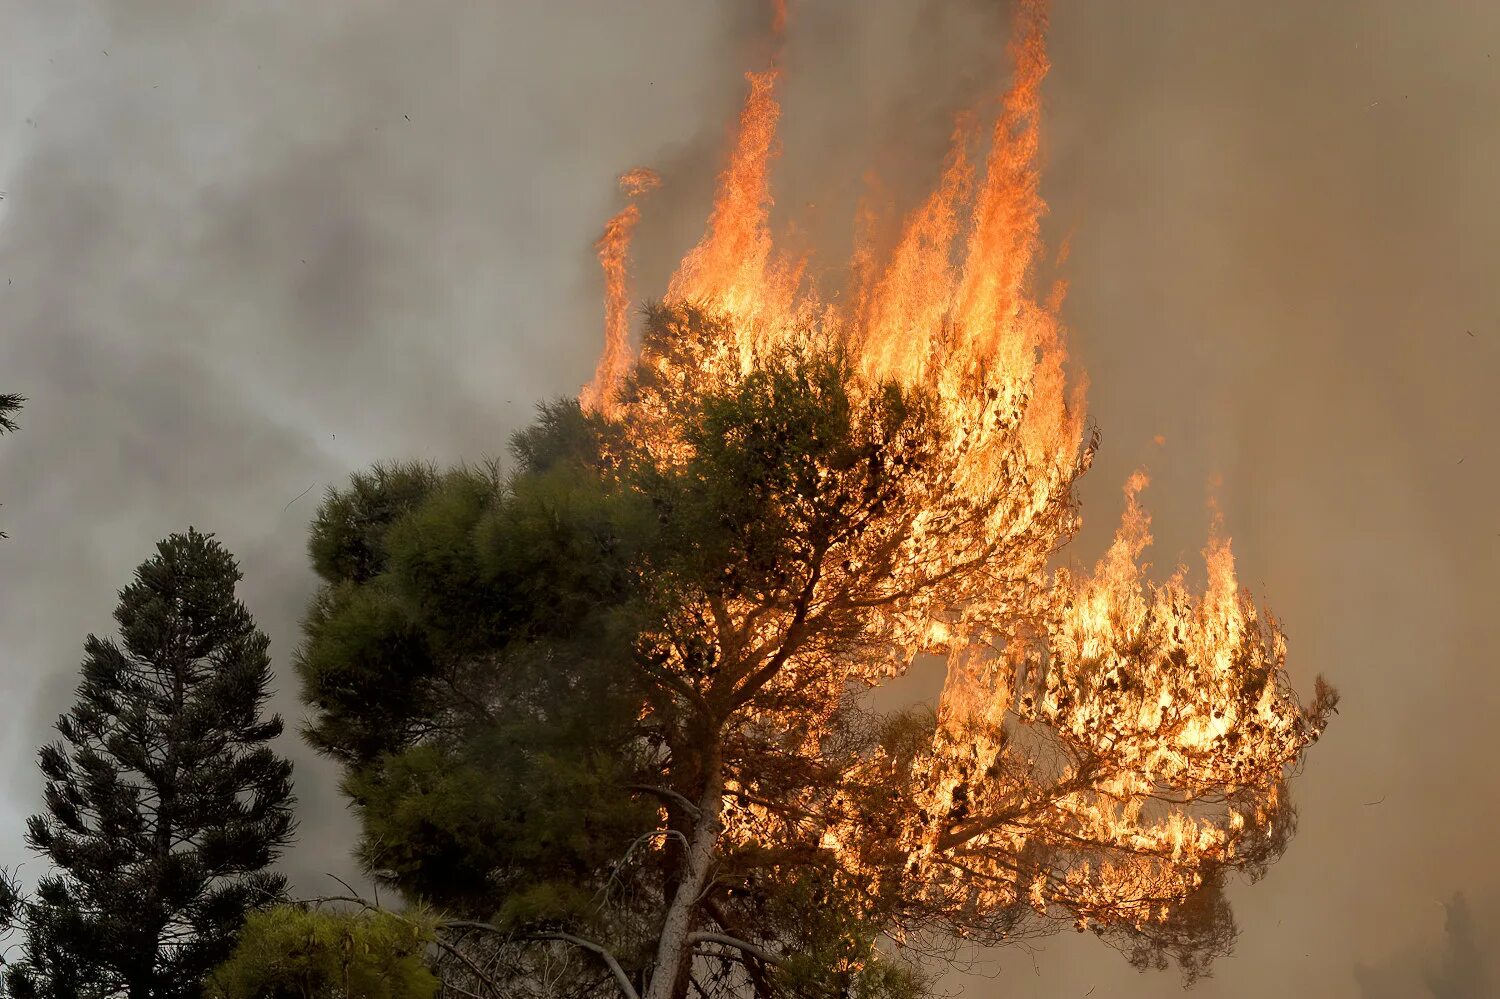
x=247 y=249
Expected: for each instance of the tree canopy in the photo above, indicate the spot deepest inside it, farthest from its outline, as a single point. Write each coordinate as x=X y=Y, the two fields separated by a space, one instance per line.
x=623 y=676
x=613 y=706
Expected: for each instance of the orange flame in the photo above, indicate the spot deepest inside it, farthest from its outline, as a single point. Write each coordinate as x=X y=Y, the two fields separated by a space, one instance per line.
x=904 y=313
x=1007 y=218
x=613 y=247
x=968 y=332
x=732 y=271
x=778 y=18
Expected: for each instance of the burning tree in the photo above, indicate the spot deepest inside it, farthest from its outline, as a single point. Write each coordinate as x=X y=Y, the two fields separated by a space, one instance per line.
x=668 y=619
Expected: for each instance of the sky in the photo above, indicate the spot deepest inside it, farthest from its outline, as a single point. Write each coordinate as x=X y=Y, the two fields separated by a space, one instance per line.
x=247 y=249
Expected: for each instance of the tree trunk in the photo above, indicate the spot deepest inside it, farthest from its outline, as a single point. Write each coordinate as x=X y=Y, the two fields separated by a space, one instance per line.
x=672 y=949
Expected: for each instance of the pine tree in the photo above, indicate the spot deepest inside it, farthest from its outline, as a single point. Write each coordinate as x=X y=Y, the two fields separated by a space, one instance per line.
x=164 y=802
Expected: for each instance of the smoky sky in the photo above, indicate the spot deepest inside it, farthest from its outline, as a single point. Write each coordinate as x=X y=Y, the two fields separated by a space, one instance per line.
x=246 y=249
x=1457 y=969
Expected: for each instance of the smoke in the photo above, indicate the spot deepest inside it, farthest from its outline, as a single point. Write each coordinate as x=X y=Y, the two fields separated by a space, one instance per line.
x=245 y=251
x=255 y=247
x=1461 y=967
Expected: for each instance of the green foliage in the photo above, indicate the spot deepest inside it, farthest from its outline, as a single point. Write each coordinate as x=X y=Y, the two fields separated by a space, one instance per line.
x=294 y=953
x=561 y=437
x=347 y=540
x=165 y=803
x=431 y=579
x=474 y=661
x=511 y=824
x=877 y=977
x=465 y=661
x=783 y=462
x=365 y=669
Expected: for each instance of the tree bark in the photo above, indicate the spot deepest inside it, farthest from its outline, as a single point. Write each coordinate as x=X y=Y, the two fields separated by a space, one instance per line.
x=674 y=946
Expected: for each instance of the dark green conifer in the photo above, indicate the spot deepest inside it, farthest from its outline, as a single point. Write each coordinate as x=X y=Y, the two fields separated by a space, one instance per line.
x=165 y=803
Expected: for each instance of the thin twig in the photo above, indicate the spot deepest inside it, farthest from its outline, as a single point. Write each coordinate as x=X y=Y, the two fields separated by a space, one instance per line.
x=296 y=498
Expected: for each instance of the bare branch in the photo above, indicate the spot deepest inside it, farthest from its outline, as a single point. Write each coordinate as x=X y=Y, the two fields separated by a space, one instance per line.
x=759 y=953
x=621 y=979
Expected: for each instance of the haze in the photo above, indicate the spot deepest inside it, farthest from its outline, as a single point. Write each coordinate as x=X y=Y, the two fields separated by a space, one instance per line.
x=248 y=249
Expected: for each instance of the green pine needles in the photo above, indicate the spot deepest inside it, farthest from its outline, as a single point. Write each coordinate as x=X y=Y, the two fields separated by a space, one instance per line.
x=165 y=803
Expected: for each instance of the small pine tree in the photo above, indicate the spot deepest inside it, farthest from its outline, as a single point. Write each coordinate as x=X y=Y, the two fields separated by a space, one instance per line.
x=164 y=802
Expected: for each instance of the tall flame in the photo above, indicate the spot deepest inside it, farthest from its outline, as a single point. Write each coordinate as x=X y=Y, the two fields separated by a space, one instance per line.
x=613 y=247
x=733 y=270
x=966 y=331
x=904 y=315
x=778 y=18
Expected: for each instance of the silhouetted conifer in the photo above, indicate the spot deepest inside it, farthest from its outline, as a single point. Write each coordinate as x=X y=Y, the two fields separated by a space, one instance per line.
x=165 y=803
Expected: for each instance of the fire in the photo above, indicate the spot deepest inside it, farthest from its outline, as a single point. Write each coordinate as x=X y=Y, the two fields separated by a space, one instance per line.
x=778 y=18
x=1104 y=743
x=614 y=248
x=733 y=270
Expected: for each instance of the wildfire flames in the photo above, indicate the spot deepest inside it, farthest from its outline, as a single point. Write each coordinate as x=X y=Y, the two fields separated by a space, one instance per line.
x=1104 y=743
x=613 y=248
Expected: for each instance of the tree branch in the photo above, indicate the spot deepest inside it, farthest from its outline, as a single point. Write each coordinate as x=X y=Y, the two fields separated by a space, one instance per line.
x=759 y=953
x=668 y=794
x=604 y=955
x=621 y=979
